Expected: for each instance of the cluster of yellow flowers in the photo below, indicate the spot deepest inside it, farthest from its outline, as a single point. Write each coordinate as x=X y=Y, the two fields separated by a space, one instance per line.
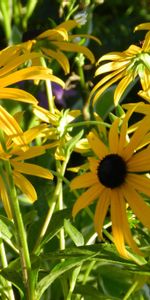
x=119 y=171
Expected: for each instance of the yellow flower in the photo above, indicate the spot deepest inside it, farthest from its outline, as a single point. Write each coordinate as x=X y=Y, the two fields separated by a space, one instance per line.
x=53 y=42
x=17 y=155
x=11 y=59
x=125 y=67
x=115 y=177
x=58 y=133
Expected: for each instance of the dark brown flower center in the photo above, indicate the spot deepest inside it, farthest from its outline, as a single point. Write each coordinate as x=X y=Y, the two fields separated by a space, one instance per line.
x=112 y=171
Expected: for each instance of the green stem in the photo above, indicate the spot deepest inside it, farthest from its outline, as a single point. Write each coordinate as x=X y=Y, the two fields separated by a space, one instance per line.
x=87 y=123
x=49 y=90
x=8 y=285
x=60 y=206
x=21 y=234
x=131 y=290
x=52 y=207
x=5 y=9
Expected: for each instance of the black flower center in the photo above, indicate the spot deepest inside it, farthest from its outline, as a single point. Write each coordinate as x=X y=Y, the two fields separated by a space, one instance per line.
x=112 y=171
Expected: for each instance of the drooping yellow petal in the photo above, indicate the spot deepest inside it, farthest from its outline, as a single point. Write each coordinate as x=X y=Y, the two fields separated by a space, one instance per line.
x=121 y=87
x=45 y=115
x=127 y=233
x=87 y=198
x=137 y=204
x=117 y=225
x=31 y=169
x=87 y=36
x=143 y=26
x=111 y=56
x=60 y=57
x=113 y=76
x=113 y=136
x=17 y=95
x=145 y=95
x=124 y=129
x=83 y=181
x=4 y=198
x=101 y=211
x=145 y=81
x=33 y=73
x=111 y=66
x=141 y=183
x=25 y=186
x=68 y=25
x=97 y=145
x=72 y=47
x=106 y=86
x=16 y=62
x=10 y=126
x=136 y=138
x=30 y=153
x=54 y=34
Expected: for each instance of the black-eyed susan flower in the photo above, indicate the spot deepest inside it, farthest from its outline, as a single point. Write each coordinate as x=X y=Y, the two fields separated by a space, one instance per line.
x=116 y=178
x=17 y=153
x=123 y=67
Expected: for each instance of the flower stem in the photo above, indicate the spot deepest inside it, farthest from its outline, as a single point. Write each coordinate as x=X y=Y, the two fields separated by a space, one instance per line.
x=8 y=285
x=52 y=207
x=49 y=90
x=21 y=234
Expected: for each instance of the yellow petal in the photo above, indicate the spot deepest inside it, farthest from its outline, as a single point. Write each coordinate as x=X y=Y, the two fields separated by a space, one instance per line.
x=68 y=25
x=9 y=125
x=140 y=183
x=88 y=36
x=73 y=47
x=25 y=186
x=97 y=145
x=121 y=87
x=113 y=136
x=17 y=61
x=140 y=162
x=143 y=26
x=106 y=86
x=32 y=73
x=32 y=169
x=101 y=211
x=137 y=204
x=5 y=199
x=111 y=66
x=45 y=115
x=127 y=233
x=17 y=95
x=83 y=181
x=30 y=153
x=93 y=164
x=136 y=138
x=56 y=34
x=117 y=225
x=146 y=43
x=60 y=57
x=87 y=198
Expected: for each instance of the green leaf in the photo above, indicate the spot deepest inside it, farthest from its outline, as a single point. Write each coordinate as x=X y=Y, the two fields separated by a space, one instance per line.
x=55 y=225
x=15 y=278
x=74 y=234
x=5 y=230
x=57 y=271
x=90 y=292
